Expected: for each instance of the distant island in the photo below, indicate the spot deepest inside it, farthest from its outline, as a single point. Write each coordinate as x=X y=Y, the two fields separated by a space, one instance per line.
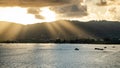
x=62 y=31
x=80 y=41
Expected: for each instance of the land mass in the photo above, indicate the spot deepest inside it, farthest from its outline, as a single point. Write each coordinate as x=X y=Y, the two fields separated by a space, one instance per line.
x=62 y=31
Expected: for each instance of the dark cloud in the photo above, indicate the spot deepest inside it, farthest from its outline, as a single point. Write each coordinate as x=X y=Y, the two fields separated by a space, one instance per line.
x=36 y=12
x=90 y=11
x=33 y=10
x=107 y=2
x=39 y=17
x=34 y=3
x=102 y=3
x=72 y=10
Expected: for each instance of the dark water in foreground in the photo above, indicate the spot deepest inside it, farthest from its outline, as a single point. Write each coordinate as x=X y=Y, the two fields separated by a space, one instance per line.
x=58 y=56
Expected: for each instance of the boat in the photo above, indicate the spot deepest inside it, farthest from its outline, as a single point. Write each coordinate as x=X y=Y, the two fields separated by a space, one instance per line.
x=99 y=49
x=76 y=49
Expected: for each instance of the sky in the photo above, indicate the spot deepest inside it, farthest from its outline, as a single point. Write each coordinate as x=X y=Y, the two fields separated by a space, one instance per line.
x=36 y=11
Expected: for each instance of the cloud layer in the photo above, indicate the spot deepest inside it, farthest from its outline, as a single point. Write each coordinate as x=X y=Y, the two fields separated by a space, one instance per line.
x=33 y=3
x=90 y=10
x=83 y=10
x=73 y=9
x=108 y=11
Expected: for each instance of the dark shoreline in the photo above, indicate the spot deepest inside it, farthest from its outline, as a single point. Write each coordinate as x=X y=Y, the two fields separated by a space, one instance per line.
x=60 y=43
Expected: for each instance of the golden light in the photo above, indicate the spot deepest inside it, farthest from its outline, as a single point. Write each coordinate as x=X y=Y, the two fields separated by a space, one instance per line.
x=9 y=31
x=20 y=15
x=48 y=14
x=17 y=15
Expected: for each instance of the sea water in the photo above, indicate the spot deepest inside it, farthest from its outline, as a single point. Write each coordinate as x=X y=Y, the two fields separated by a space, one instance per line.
x=51 y=55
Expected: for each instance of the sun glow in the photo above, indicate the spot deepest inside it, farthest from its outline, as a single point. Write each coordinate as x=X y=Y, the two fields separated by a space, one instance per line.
x=17 y=15
x=48 y=14
x=20 y=15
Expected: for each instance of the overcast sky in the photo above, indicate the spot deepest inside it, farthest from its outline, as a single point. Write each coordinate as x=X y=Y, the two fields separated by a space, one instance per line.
x=86 y=10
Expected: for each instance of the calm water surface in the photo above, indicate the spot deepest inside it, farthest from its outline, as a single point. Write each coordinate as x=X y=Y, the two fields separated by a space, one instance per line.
x=58 y=56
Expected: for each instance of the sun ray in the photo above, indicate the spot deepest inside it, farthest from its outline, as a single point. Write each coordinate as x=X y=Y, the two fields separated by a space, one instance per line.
x=4 y=27
x=11 y=31
x=79 y=32
x=59 y=30
x=51 y=30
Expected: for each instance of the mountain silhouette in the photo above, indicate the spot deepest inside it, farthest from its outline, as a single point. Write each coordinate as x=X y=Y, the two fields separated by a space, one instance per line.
x=62 y=29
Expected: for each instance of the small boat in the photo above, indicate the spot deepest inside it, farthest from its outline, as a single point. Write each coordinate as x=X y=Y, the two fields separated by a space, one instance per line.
x=99 y=49
x=113 y=46
x=105 y=47
x=76 y=49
